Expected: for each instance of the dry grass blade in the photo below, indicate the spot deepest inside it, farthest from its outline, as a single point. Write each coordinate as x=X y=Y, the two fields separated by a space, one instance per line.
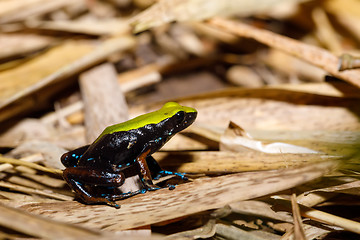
x=330 y=219
x=41 y=227
x=312 y=54
x=298 y=228
x=166 y=11
x=29 y=190
x=31 y=158
x=87 y=58
x=21 y=10
x=30 y=165
x=324 y=217
x=199 y=195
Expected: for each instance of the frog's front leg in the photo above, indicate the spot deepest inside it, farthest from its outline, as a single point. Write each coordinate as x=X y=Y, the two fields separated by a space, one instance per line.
x=145 y=171
x=76 y=177
x=157 y=172
x=71 y=159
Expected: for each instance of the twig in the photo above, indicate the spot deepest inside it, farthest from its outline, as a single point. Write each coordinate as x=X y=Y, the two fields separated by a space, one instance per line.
x=32 y=158
x=30 y=165
x=312 y=54
x=29 y=190
x=323 y=217
x=298 y=228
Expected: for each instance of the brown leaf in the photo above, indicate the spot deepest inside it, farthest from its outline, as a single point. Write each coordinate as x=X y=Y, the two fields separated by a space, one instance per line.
x=199 y=195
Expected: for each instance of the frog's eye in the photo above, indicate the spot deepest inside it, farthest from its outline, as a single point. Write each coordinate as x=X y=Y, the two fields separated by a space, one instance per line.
x=180 y=117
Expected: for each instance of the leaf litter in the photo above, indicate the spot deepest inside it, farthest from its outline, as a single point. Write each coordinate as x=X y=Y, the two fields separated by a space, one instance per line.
x=270 y=70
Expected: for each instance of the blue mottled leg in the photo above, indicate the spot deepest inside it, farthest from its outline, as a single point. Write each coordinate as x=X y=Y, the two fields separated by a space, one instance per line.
x=157 y=172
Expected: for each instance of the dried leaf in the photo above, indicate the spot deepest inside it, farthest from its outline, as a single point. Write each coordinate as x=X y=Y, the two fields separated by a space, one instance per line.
x=39 y=71
x=186 y=199
x=166 y=11
x=234 y=141
x=58 y=64
x=271 y=108
x=99 y=88
x=230 y=162
x=352 y=188
x=40 y=227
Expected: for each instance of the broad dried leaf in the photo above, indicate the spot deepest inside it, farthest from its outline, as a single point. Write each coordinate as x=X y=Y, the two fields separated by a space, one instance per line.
x=231 y=162
x=271 y=108
x=40 y=227
x=186 y=199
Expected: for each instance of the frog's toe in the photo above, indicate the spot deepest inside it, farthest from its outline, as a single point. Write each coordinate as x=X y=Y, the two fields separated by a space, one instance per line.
x=171 y=187
x=112 y=204
x=152 y=188
x=181 y=175
x=164 y=173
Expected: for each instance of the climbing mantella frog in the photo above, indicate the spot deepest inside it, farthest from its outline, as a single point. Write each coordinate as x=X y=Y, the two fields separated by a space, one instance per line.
x=95 y=171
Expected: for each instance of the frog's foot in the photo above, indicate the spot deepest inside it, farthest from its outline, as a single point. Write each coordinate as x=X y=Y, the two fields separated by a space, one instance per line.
x=89 y=199
x=99 y=200
x=164 y=173
x=149 y=186
x=115 y=197
x=78 y=177
x=171 y=186
x=112 y=204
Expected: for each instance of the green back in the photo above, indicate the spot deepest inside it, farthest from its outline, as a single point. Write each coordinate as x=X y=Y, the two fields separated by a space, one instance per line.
x=167 y=111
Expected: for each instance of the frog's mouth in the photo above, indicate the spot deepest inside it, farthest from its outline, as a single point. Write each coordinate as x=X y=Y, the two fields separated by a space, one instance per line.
x=189 y=118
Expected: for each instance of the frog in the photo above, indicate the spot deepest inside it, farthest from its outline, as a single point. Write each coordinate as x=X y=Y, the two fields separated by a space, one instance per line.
x=95 y=171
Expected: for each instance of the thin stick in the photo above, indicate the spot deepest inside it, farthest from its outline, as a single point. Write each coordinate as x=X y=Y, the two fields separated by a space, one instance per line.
x=330 y=219
x=298 y=228
x=312 y=54
x=29 y=190
x=323 y=217
x=30 y=165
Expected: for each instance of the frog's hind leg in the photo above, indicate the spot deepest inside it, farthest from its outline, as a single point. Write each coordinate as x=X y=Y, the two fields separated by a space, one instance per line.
x=76 y=177
x=157 y=172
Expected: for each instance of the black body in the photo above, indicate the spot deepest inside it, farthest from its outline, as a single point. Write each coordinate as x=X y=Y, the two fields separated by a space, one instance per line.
x=103 y=162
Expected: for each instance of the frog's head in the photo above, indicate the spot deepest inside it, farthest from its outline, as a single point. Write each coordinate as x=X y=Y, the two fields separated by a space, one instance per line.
x=178 y=117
